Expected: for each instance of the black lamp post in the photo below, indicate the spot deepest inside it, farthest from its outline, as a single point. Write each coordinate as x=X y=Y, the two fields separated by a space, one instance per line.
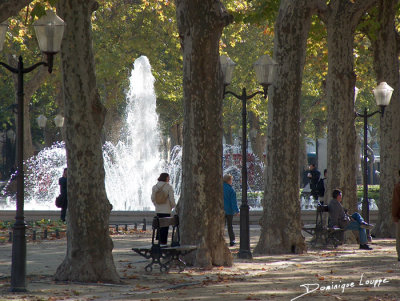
x=383 y=93
x=49 y=31
x=264 y=68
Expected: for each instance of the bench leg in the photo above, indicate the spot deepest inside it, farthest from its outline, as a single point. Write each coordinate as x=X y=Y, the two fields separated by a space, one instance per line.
x=156 y=260
x=176 y=260
x=332 y=239
x=156 y=254
x=318 y=237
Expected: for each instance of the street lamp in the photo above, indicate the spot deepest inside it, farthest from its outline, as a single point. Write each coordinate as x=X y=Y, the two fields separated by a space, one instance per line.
x=383 y=93
x=49 y=31
x=41 y=120
x=59 y=121
x=265 y=69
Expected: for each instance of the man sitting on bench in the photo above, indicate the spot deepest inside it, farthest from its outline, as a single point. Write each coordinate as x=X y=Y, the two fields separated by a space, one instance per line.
x=339 y=218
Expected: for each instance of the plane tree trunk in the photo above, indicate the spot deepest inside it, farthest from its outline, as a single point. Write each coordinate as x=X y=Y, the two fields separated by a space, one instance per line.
x=281 y=222
x=257 y=139
x=89 y=245
x=200 y=24
x=341 y=19
x=386 y=65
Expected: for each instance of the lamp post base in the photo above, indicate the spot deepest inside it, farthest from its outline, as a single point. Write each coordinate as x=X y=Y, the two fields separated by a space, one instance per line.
x=245 y=254
x=18 y=263
x=244 y=250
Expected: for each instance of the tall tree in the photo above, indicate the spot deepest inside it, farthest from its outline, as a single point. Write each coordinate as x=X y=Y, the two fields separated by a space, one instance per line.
x=257 y=139
x=341 y=18
x=89 y=246
x=200 y=24
x=281 y=229
x=386 y=64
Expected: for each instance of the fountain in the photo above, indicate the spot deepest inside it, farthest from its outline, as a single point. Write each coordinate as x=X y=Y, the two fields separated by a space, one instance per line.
x=231 y=164
x=41 y=183
x=131 y=166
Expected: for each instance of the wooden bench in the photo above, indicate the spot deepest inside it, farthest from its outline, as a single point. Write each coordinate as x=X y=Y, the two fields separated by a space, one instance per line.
x=320 y=232
x=165 y=255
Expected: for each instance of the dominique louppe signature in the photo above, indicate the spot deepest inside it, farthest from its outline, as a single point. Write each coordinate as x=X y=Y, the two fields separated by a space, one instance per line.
x=341 y=286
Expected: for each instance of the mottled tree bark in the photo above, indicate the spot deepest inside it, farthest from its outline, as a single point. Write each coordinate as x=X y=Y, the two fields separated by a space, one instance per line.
x=257 y=139
x=341 y=18
x=176 y=134
x=281 y=223
x=303 y=161
x=228 y=135
x=200 y=23
x=386 y=65
x=89 y=246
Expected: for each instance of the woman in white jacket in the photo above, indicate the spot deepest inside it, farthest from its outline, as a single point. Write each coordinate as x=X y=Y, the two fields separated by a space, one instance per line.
x=164 y=208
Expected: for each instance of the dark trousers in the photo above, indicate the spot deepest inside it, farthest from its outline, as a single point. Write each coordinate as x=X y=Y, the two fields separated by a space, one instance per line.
x=228 y=219
x=314 y=195
x=63 y=213
x=64 y=208
x=164 y=230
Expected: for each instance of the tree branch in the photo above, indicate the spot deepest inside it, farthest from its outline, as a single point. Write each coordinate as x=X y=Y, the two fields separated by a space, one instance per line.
x=35 y=82
x=225 y=17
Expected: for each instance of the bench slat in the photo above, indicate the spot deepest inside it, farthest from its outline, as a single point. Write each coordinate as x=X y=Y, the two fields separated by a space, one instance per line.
x=160 y=222
x=181 y=248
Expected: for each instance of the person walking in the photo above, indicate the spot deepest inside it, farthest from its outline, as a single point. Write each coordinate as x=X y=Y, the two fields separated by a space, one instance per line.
x=339 y=218
x=162 y=196
x=64 y=194
x=313 y=176
x=230 y=206
x=396 y=215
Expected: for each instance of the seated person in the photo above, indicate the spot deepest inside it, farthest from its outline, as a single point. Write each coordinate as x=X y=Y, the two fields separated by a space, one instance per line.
x=339 y=218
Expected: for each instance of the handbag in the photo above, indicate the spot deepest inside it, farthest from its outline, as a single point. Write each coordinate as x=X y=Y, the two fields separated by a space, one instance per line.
x=59 y=201
x=161 y=196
